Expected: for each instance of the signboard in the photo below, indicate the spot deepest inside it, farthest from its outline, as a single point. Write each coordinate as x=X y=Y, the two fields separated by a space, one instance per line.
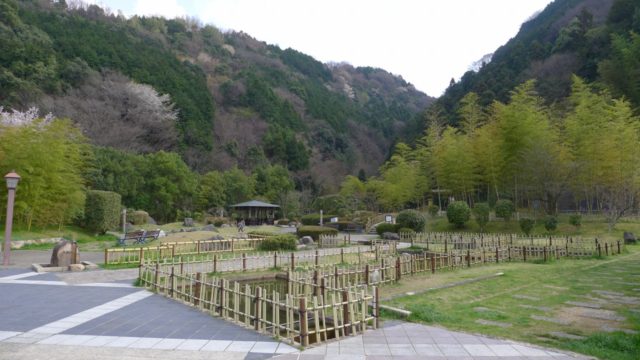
x=334 y=219
x=388 y=219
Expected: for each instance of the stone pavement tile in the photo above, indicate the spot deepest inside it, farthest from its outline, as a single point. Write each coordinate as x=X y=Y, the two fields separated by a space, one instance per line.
x=351 y=349
x=490 y=341
x=316 y=350
x=288 y=357
x=354 y=340
x=398 y=340
x=122 y=341
x=240 y=346
x=427 y=350
x=8 y=334
x=191 y=344
x=100 y=340
x=27 y=338
x=285 y=349
x=168 y=344
x=478 y=350
x=257 y=356
x=504 y=350
x=309 y=357
x=77 y=340
x=468 y=339
x=55 y=339
x=401 y=349
x=529 y=351
x=265 y=347
x=377 y=349
x=216 y=345
x=348 y=357
x=453 y=350
x=144 y=343
x=380 y=357
x=374 y=340
x=424 y=339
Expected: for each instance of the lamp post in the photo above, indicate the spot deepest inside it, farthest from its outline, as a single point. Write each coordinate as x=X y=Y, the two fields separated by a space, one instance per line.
x=12 y=183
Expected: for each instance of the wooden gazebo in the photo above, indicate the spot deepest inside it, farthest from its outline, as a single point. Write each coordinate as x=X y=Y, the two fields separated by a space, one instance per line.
x=255 y=212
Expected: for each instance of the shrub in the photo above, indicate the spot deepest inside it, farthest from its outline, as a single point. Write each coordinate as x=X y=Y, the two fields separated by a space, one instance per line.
x=262 y=233
x=433 y=210
x=279 y=242
x=406 y=231
x=138 y=217
x=385 y=227
x=458 y=213
x=316 y=231
x=102 y=211
x=526 y=225
x=575 y=220
x=314 y=219
x=411 y=219
x=504 y=209
x=282 y=222
x=481 y=213
x=551 y=223
x=342 y=225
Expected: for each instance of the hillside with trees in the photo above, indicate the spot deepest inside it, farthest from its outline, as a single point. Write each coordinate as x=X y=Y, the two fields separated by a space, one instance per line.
x=219 y=100
x=594 y=39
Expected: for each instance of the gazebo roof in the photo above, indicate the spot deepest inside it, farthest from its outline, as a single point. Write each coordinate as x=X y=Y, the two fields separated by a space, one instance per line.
x=255 y=203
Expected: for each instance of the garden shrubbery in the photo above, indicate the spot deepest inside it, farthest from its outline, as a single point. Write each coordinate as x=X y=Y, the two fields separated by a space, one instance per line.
x=551 y=223
x=481 y=213
x=316 y=231
x=504 y=209
x=411 y=219
x=278 y=243
x=526 y=225
x=314 y=219
x=458 y=213
x=102 y=211
x=385 y=227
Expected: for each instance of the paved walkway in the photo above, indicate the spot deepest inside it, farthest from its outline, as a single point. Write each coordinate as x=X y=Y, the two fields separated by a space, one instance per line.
x=100 y=315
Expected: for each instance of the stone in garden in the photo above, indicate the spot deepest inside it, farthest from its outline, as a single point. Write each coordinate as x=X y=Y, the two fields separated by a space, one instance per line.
x=76 y=267
x=608 y=328
x=584 y=304
x=209 y=227
x=217 y=237
x=151 y=221
x=306 y=240
x=563 y=335
x=188 y=222
x=629 y=238
x=481 y=309
x=390 y=236
x=65 y=253
x=599 y=314
x=493 y=323
x=162 y=234
x=539 y=308
x=551 y=319
x=526 y=297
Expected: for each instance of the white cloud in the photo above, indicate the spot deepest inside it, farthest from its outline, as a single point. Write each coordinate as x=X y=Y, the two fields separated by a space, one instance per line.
x=167 y=8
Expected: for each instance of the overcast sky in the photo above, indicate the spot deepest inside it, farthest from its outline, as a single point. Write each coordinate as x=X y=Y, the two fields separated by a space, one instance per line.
x=427 y=42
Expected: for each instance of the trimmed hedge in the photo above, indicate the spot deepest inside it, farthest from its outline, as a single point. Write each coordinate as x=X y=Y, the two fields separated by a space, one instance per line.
x=102 y=211
x=279 y=242
x=575 y=220
x=316 y=231
x=314 y=219
x=411 y=219
x=383 y=228
x=551 y=223
x=481 y=212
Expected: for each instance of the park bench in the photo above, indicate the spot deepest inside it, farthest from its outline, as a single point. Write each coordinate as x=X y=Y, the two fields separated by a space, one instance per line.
x=139 y=236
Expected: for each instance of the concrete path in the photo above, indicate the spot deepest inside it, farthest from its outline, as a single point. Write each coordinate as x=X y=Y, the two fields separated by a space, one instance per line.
x=408 y=341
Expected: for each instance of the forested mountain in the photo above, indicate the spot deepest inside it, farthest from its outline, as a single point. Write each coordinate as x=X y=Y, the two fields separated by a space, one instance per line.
x=588 y=38
x=220 y=100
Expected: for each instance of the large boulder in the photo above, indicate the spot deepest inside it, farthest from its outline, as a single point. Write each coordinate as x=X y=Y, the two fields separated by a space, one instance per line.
x=188 y=222
x=65 y=253
x=305 y=240
x=629 y=238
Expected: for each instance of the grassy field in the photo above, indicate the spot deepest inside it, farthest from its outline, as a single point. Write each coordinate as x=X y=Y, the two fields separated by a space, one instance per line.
x=530 y=303
x=592 y=226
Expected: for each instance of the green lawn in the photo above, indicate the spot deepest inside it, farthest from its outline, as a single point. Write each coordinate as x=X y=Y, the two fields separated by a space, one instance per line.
x=541 y=290
x=86 y=240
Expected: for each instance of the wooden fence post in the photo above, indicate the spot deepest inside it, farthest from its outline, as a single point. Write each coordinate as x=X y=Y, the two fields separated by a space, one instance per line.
x=106 y=257
x=221 y=297
x=317 y=259
x=433 y=263
x=172 y=282
x=376 y=309
x=196 y=291
x=468 y=258
x=398 y=269
x=215 y=262
x=304 y=330
x=342 y=255
x=509 y=253
x=445 y=245
x=173 y=251
x=382 y=270
x=412 y=263
x=156 y=276
x=257 y=308
x=599 y=250
x=497 y=256
x=244 y=261
x=606 y=249
x=293 y=261
x=275 y=259
x=524 y=253
x=545 y=253
x=366 y=274
x=618 y=246
x=232 y=246
x=345 y=313
x=198 y=247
